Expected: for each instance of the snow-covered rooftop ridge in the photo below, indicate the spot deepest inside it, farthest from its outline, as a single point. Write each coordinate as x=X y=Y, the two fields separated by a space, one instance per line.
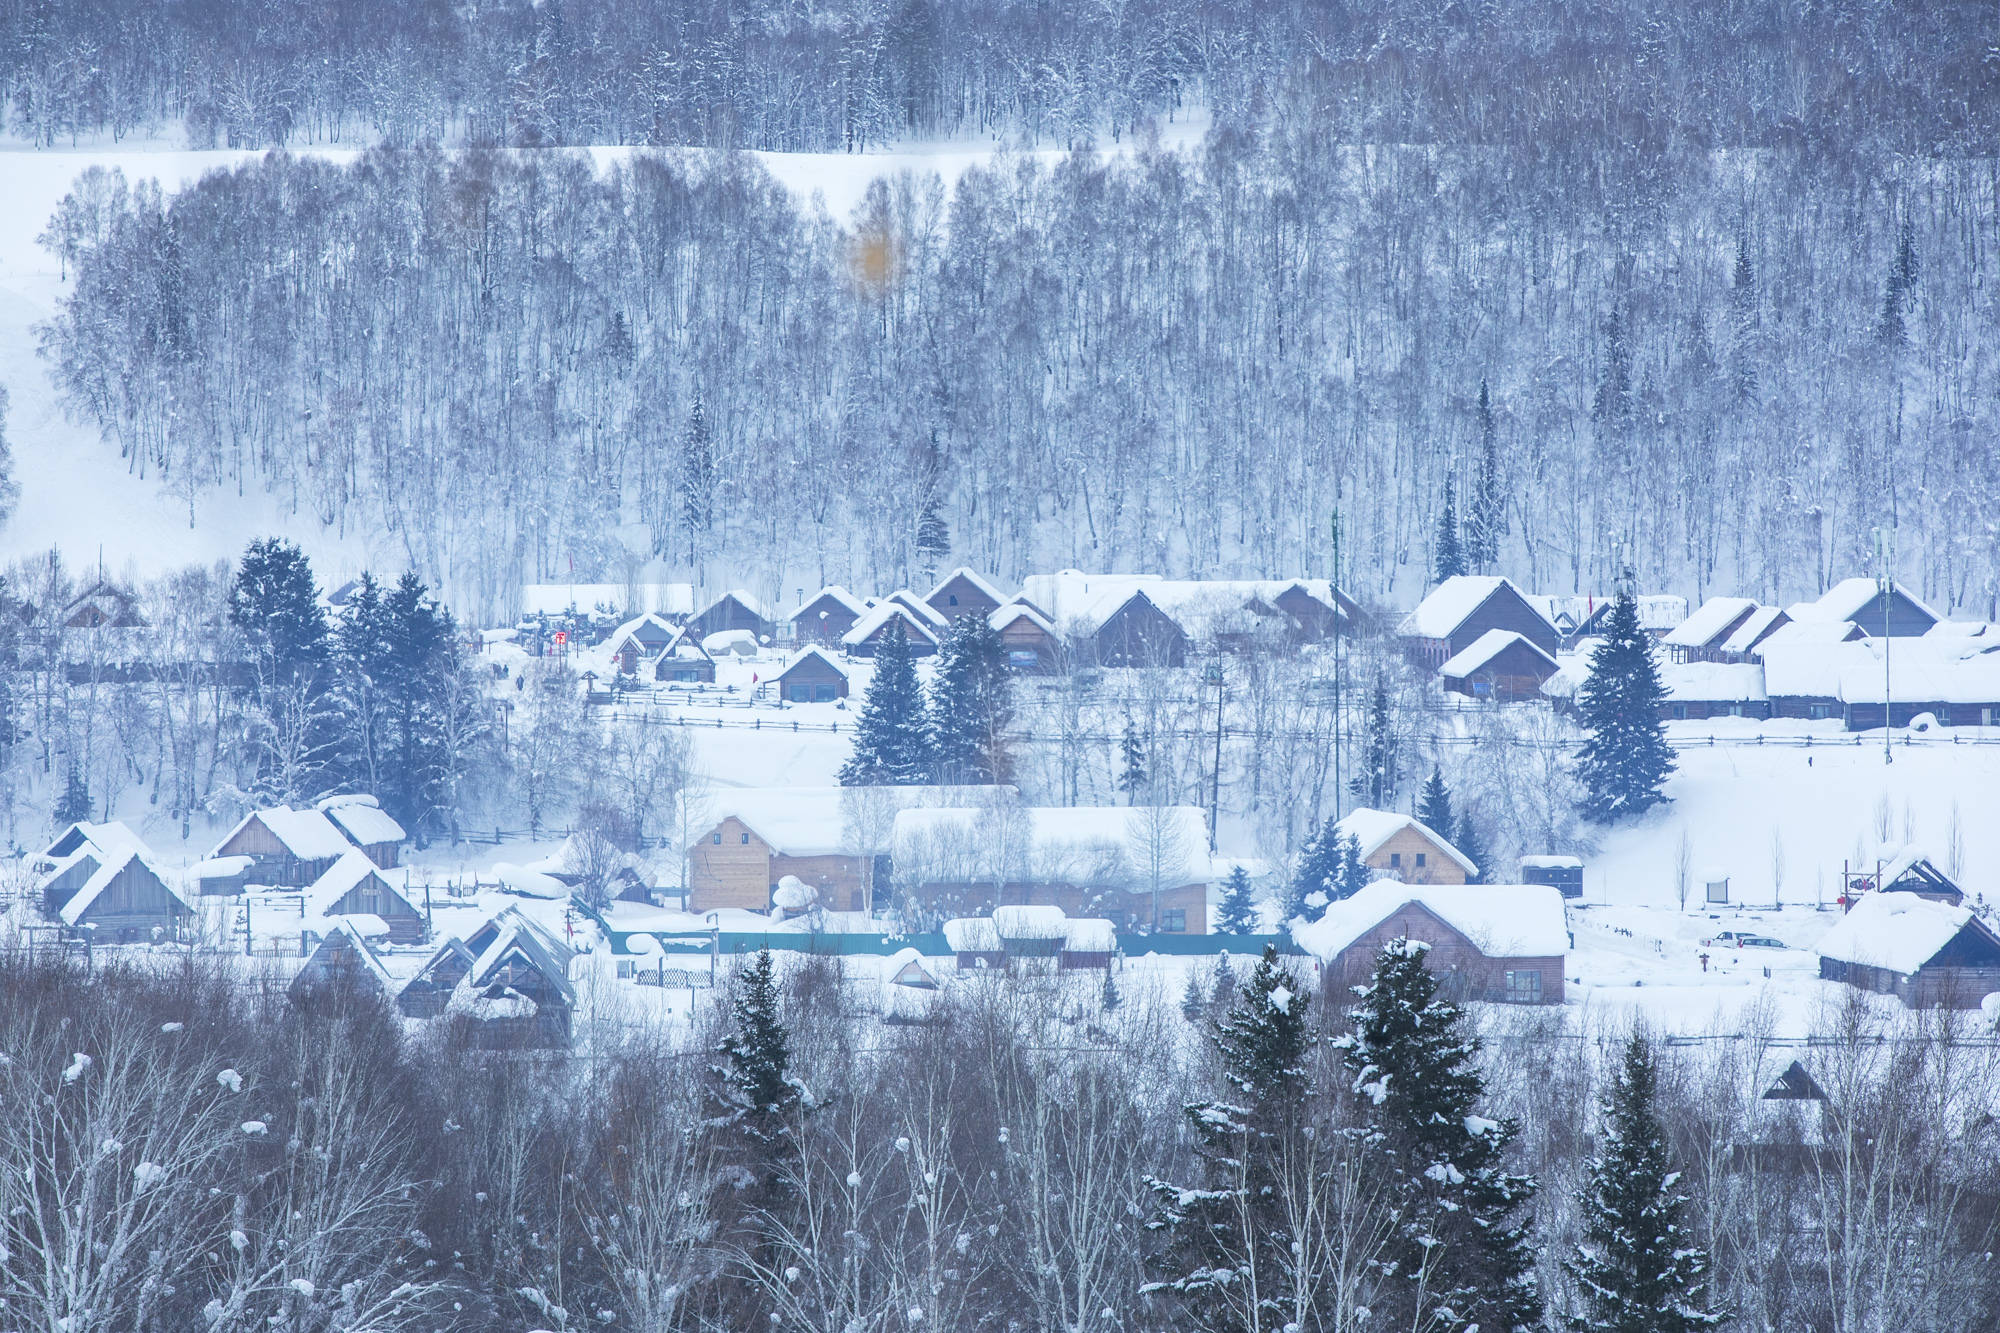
x=1846 y=598
x=1440 y=614
x=685 y=647
x=108 y=870
x=970 y=576
x=363 y=819
x=813 y=652
x=646 y=620
x=347 y=932
x=1658 y=612
x=1079 y=602
x=1756 y=626
x=1371 y=828
x=1111 y=845
x=1546 y=861
x=836 y=593
x=111 y=836
x=751 y=602
x=1487 y=647
x=883 y=612
x=340 y=878
x=1019 y=922
x=1897 y=931
x=1713 y=617
x=1003 y=616
x=831 y=821
x=1503 y=920
x=1713 y=682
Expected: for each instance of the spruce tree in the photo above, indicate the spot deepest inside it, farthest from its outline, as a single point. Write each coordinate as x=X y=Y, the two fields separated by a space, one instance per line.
x=892 y=743
x=1108 y=997
x=72 y=804
x=971 y=704
x=1460 y=1252
x=1234 y=1220
x=697 y=479
x=1221 y=985
x=754 y=1081
x=1637 y=1269
x=1351 y=874
x=933 y=533
x=273 y=605
x=1743 y=320
x=1315 y=882
x=1193 y=1003
x=1378 y=777
x=1238 y=912
x=1448 y=560
x=1434 y=805
x=1486 y=513
x=1472 y=843
x=1625 y=759
x=1132 y=767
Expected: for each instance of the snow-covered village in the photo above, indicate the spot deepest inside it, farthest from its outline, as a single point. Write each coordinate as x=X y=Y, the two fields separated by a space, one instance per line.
x=1183 y=668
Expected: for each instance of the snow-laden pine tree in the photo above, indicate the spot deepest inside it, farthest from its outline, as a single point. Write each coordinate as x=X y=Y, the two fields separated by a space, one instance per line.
x=1193 y=1003
x=892 y=741
x=1486 y=511
x=272 y=603
x=1470 y=841
x=1460 y=1255
x=1225 y=1240
x=1448 y=553
x=1313 y=883
x=1378 y=777
x=1637 y=1269
x=697 y=474
x=754 y=1078
x=1237 y=914
x=1351 y=874
x=1434 y=804
x=971 y=704
x=1625 y=759
x=1133 y=777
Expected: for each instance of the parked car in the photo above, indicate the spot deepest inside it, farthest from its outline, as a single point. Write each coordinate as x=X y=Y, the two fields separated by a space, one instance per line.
x=1758 y=942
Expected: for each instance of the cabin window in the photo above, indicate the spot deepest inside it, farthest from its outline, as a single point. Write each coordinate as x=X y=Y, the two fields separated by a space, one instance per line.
x=1819 y=712
x=627 y=968
x=1420 y=860
x=718 y=840
x=745 y=838
x=953 y=599
x=1395 y=860
x=1174 y=919
x=1524 y=987
x=1680 y=712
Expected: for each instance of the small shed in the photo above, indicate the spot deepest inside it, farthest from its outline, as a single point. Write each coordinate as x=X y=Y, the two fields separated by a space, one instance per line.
x=1929 y=955
x=684 y=661
x=1501 y=665
x=910 y=990
x=342 y=961
x=126 y=901
x=1564 y=873
x=355 y=886
x=427 y=993
x=1715 y=885
x=812 y=677
x=639 y=640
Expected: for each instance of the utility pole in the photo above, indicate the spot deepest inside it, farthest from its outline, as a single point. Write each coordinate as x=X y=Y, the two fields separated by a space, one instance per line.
x=1211 y=676
x=1334 y=524
x=1886 y=558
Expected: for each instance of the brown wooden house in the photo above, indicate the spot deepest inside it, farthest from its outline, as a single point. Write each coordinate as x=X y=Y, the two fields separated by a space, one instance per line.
x=126 y=901
x=890 y=617
x=1501 y=666
x=812 y=677
x=964 y=593
x=1029 y=640
x=354 y=886
x=287 y=847
x=427 y=993
x=1502 y=943
x=1459 y=611
x=518 y=994
x=1137 y=633
x=639 y=640
x=1926 y=953
x=1404 y=848
x=341 y=963
x=761 y=836
x=368 y=826
x=683 y=661
x=829 y=614
x=733 y=610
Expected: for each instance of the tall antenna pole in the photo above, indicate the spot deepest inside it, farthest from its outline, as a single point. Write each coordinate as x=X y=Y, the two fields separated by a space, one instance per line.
x=1885 y=554
x=1334 y=523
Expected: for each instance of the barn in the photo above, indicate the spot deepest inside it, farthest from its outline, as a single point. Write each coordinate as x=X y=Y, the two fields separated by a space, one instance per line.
x=1504 y=943
x=285 y=846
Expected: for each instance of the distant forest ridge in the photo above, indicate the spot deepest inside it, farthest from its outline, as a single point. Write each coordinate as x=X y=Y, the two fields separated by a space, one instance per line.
x=1551 y=77
x=1728 y=369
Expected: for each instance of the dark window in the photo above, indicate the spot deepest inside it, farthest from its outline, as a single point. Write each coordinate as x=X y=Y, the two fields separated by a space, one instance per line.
x=1819 y=712
x=1420 y=860
x=718 y=839
x=953 y=599
x=1173 y=919
x=1524 y=987
x=1680 y=712
x=1395 y=860
x=746 y=839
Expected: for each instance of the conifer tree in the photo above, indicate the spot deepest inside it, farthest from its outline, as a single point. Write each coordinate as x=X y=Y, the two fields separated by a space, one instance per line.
x=892 y=743
x=1637 y=1269
x=1221 y=985
x=1472 y=843
x=73 y=802
x=1233 y=1221
x=273 y=605
x=1434 y=805
x=1448 y=560
x=1351 y=874
x=1486 y=513
x=1461 y=1251
x=1108 y=997
x=1193 y=1003
x=1315 y=882
x=933 y=537
x=971 y=704
x=1133 y=777
x=754 y=1081
x=697 y=479
x=1743 y=320
x=1625 y=759
x=1378 y=777
x=1237 y=914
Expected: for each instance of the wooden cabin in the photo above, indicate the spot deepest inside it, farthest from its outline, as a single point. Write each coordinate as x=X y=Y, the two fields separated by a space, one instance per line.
x=964 y=593
x=1501 y=943
x=1028 y=639
x=341 y=963
x=890 y=617
x=812 y=677
x=1898 y=614
x=368 y=826
x=103 y=605
x=640 y=640
x=760 y=841
x=828 y=615
x=1904 y=870
x=517 y=996
x=1928 y=954
x=126 y=901
x=427 y=993
x=733 y=610
x=1403 y=847
x=1562 y=873
x=1501 y=666
x=354 y=886
x=1459 y=611
x=683 y=661
x=289 y=848
x=1137 y=633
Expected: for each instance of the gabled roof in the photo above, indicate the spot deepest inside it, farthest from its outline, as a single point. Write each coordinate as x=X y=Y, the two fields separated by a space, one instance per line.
x=520 y=939
x=1440 y=614
x=1714 y=617
x=1714 y=682
x=683 y=647
x=1372 y=828
x=970 y=577
x=813 y=652
x=1794 y=1085
x=363 y=819
x=1800 y=633
x=342 y=878
x=1846 y=598
x=1503 y=920
x=93 y=888
x=1756 y=627
x=918 y=607
x=884 y=612
x=340 y=936
x=1111 y=845
x=750 y=601
x=1023 y=923
x=307 y=834
x=1487 y=647
x=812 y=821
x=835 y=593
x=111 y=836
x=452 y=950
x=1003 y=616
x=1898 y=931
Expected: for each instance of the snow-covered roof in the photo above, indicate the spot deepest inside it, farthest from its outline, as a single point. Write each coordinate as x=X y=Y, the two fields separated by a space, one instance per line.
x=673 y=599
x=1812 y=633
x=1897 y=931
x=1024 y=921
x=683 y=647
x=110 y=836
x=1545 y=862
x=1001 y=617
x=1091 y=934
x=340 y=878
x=918 y=607
x=520 y=936
x=1372 y=828
x=1808 y=670
x=1713 y=682
x=113 y=866
x=1440 y=614
x=990 y=934
x=962 y=572
x=1504 y=920
x=363 y=819
x=972 y=934
x=221 y=867
x=1079 y=602
x=1487 y=647
x=1963 y=629
x=1755 y=626
x=1845 y=599
x=365 y=924
x=640 y=629
x=1098 y=844
x=1658 y=612
x=307 y=834
x=898 y=970
x=340 y=933
x=812 y=652
x=1713 y=617
x=1949 y=671
x=751 y=603
x=884 y=611
x=836 y=593
x=812 y=821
